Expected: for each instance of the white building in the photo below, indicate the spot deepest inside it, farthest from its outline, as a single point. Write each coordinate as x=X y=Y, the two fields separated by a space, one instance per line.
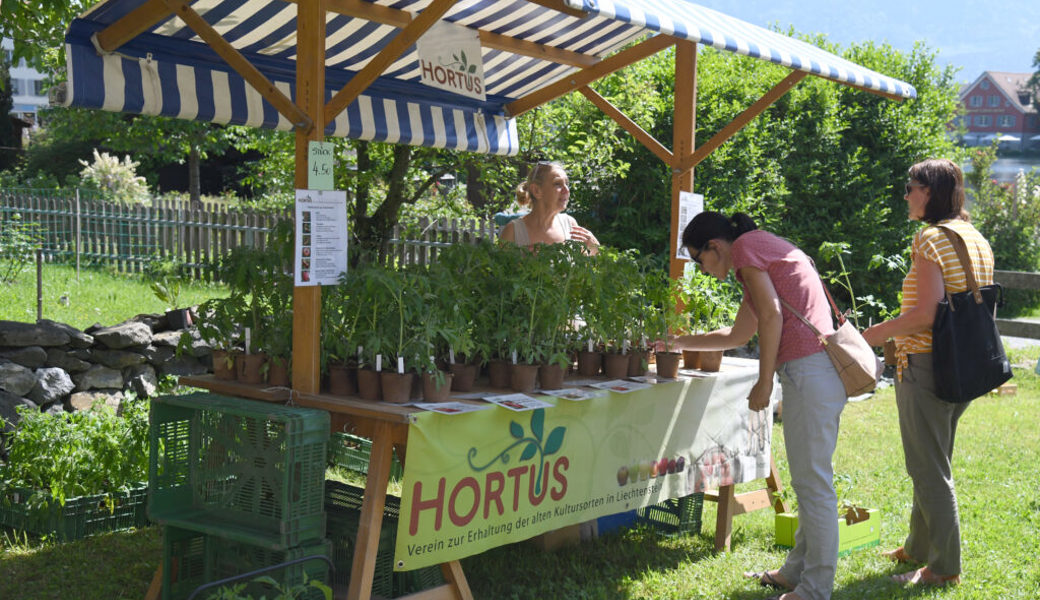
x=28 y=87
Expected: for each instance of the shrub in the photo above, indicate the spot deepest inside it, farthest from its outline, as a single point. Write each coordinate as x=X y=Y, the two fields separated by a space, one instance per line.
x=116 y=181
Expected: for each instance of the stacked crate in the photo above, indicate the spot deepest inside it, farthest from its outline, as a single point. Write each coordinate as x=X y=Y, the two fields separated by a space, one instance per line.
x=238 y=485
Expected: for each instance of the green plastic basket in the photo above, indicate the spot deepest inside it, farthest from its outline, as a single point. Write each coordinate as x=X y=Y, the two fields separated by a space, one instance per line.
x=675 y=515
x=192 y=559
x=245 y=470
x=354 y=453
x=343 y=505
x=78 y=517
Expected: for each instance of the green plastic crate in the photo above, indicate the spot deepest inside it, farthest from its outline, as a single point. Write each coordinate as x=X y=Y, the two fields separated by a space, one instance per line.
x=245 y=470
x=675 y=515
x=354 y=452
x=79 y=517
x=192 y=559
x=343 y=505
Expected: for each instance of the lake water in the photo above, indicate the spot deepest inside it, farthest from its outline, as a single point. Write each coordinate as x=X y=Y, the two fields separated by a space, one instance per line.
x=1005 y=169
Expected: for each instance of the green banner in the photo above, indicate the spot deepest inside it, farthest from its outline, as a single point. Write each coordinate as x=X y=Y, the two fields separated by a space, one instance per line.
x=478 y=480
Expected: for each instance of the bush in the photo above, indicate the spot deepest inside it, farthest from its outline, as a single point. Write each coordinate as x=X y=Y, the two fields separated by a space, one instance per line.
x=116 y=181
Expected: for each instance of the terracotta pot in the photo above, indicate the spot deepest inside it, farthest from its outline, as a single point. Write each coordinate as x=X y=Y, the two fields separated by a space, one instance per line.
x=890 y=353
x=550 y=377
x=278 y=372
x=589 y=363
x=342 y=380
x=523 y=377
x=397 y=387
x=463 y=377
x=615 y=366
x=691 y=359
x=369 y=384
x=638 y=362
x=250 y=367
x=711 y=360
x=668 y=364
x=432 y=392
x=224 y=365
x=498 y=373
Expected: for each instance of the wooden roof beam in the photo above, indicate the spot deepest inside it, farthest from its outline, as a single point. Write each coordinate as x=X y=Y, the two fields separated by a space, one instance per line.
x=133 y=24
x=629 y=125
x=241 y=65
x=586 y=76
x=391 y=52
x=702 y=152
x=400 y=19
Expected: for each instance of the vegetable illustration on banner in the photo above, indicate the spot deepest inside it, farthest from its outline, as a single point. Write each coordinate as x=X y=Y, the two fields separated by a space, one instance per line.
x=450 y=59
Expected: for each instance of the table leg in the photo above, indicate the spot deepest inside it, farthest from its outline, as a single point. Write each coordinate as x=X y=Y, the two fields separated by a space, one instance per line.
x=724 y=519
x=362 y=571
x=155 y=587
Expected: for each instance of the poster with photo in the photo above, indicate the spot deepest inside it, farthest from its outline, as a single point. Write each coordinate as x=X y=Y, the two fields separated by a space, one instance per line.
x=690 y=205
x=321 y=236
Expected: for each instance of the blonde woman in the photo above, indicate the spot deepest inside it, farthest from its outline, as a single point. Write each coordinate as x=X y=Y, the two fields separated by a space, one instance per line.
x=547 y=192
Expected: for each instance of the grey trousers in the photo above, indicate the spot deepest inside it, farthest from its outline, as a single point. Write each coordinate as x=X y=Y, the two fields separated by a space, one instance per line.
x=813 y=397
x=928 y=426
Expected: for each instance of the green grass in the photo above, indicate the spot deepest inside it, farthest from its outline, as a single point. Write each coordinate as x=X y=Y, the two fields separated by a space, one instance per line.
x=96 y=296
x=996 y=471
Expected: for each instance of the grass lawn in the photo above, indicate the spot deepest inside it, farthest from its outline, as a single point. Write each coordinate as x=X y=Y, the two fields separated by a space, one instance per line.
x=996 y=469
x=96 y=296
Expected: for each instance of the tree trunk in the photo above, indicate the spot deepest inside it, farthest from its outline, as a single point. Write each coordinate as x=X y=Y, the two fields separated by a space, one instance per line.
x=194 y=175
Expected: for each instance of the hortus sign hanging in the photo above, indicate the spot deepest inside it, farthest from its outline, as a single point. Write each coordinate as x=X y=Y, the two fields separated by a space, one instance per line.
x=449 y=59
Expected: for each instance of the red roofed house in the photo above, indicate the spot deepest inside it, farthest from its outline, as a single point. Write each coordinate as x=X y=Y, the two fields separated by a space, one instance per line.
x=998 y=103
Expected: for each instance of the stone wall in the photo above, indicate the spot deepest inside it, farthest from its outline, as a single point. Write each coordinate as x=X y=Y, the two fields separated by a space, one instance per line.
x=55 y=367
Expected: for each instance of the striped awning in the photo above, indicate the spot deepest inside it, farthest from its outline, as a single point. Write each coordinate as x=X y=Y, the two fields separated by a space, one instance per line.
x=167 y=69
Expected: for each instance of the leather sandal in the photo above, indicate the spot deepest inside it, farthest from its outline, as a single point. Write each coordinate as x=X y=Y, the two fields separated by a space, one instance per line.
x=899 y=555
x=767 y=579
x=924 y=576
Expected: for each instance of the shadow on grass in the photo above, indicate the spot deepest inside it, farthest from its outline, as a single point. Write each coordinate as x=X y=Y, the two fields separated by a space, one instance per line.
x=103 y=567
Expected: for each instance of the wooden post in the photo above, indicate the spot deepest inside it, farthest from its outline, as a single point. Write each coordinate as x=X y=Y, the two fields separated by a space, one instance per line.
x=310 y=96
x=682 y=140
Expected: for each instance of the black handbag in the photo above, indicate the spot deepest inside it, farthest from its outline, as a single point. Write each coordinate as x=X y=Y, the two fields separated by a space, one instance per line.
x=967 y=354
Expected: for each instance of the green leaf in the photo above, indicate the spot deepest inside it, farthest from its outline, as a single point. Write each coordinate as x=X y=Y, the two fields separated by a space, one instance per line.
x=529 y=451
x=554 y=441
x=516 y=430
x=537 y=423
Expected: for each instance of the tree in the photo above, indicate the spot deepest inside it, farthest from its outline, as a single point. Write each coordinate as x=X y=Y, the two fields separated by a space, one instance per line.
x=38 y=26
x=1033 y=84
x=9 y=142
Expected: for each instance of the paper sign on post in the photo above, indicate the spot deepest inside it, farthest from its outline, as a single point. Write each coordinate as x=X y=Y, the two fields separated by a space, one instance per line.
x=321 y=236
x=450 y=59
x=690 y=205
x=319 y=165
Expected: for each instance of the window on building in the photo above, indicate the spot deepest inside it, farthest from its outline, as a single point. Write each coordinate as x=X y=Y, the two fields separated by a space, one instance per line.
x=994 y=100
x=39 y=88
x=8 y=56
x=18 y=87
x=984 y=85
x=982 y=120
x=975 y=101
x=1006 y=120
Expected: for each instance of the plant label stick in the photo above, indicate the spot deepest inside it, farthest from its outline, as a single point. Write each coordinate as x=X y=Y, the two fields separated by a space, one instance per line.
x=379 y=362
x=514 y=357
x=590 y=344
x=359 y=349
x=247 y=340
x=400 y=365
x=451 y=355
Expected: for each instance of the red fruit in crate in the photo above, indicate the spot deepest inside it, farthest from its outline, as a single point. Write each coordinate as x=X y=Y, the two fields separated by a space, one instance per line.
x=622 y=475
x=662 y=466
x=671 y=465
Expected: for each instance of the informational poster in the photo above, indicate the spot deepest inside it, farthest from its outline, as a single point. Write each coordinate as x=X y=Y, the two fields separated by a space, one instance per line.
x=690 y=205
x=319 y=165
x=321 y=236
x=450 y=59
x=483 y=479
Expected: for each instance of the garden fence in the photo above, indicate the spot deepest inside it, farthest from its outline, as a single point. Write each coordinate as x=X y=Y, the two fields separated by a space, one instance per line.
x=76 y=227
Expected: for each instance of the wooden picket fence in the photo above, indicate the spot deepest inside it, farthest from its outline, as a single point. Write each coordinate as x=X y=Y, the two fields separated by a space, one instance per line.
x=76 y=228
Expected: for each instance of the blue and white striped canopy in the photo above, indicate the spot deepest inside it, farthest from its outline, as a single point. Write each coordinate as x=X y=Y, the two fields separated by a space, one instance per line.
x=168 y=70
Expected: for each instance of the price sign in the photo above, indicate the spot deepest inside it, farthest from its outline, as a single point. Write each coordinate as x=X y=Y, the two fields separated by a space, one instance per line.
x=319 y=165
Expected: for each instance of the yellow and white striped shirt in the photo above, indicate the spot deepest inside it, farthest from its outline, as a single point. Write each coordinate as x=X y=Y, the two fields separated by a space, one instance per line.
x=930 y=243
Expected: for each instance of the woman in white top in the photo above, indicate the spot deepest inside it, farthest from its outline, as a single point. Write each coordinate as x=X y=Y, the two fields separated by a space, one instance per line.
x=547 y=192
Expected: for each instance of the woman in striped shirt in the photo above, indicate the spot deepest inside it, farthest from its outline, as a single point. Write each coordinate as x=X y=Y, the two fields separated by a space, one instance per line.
x=928 y=424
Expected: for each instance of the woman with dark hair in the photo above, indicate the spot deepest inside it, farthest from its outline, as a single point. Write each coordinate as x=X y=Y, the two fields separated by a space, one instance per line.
x=779 y=279
x=927 y=423
x=547 y=192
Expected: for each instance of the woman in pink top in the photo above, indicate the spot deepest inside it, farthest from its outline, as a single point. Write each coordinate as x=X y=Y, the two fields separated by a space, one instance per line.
x=770 y=269
x=547 y=192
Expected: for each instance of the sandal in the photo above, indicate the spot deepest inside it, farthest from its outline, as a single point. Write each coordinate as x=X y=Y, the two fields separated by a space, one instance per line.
x=899 y=555
x=924 y=576
x=767 y=579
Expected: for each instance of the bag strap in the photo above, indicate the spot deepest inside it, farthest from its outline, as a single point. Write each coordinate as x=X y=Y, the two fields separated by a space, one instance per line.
x=962 y=255
x=819 y=336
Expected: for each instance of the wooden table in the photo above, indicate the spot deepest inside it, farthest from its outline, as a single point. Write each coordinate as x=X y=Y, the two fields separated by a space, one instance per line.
x=387 y=426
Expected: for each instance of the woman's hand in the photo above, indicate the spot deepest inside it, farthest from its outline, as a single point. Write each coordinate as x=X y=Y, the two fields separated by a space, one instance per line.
x=760 y=395
x=580 y=234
